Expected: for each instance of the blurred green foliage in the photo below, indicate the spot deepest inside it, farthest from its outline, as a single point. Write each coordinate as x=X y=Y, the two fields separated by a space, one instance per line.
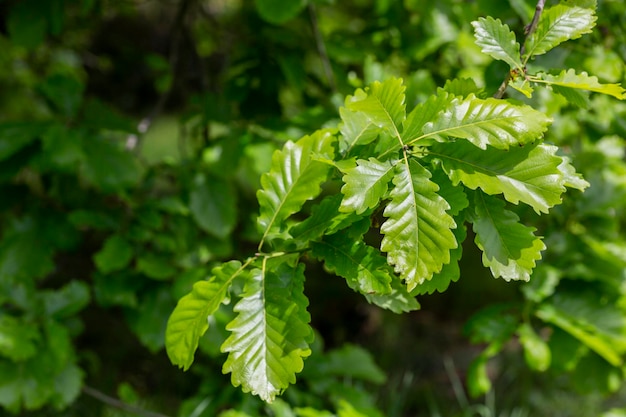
x=133 y=135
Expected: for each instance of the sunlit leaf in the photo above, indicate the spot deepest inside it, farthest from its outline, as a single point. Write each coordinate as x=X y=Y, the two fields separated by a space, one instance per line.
x=488 y=122
x=383 y=103
x=559 y=24
x=294 y=178
x=365 y=184
x=270 y=335
x=417 y=235
x=498 y=41
x=189 y=320
x=357 y=128
x=529 y=174
x=569 y=79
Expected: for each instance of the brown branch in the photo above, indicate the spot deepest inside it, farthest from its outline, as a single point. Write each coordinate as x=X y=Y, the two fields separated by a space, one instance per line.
x=120 y=405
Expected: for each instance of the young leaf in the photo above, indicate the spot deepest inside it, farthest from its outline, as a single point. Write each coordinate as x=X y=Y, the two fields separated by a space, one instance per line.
x=529 y=174
x=424 y=113
x=270 y=334
x=398 y=300
x=559 y=24
x=449 y=273
x=462 y=87
x=188 y=321
x=509 y=248
x=361 y=265
x=498 y=41
x=383 y=103
x=488 y=122
x=323 y=216
x=536 y=350
x=356 y=128
x=417 y=235
x=365 y=185
x=294 y=178
x=568 y=79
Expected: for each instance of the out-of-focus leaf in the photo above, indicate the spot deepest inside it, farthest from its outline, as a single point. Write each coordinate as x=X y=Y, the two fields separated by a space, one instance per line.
x=107 y=166
x=115 y=255
x=279 y=11
x=213 y=204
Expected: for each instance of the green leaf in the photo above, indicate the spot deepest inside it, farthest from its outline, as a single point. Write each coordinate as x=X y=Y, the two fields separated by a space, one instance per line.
x=363 y=267
x=325 y=218
x=398 y=300
x=346 y=361
x=417 y=235
x=568 y=79
x=27 y=23
x=294 y=178
x=356 y=129
x=64 y=92
x=115 y=255
x=155 y=266
x=383 y=103
x=109 y=167
x=365 y=185
x=18 y=339
x=498 y=41
x=149 y=322
x=189 y=320
x=598 y=323
x=529 y=174
x=559 y=24
x=509 y=248
x=66 y=301
x=423 y=113
x=279 y=11
x=478 y=382
x=450 y=272
x=571 y=177
x=213 y=205
x=536 y=350
x=15 y=136
x=483 y=122
x=270 y=334
x=462 y=87
x=24 y=254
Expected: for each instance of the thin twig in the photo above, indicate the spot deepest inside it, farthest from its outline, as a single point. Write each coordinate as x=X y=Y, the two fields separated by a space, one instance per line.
x=321 y=48
x=530 y=28
x=115 y=403
x=528 y=31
